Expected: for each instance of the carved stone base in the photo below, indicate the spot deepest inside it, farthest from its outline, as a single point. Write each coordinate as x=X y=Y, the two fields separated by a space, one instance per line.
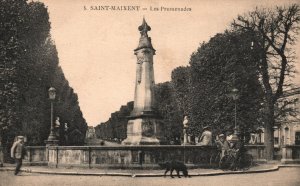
x=142 y=131
x=51 y=142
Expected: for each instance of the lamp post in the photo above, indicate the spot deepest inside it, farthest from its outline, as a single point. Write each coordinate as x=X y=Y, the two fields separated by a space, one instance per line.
x=52 y=136
x=235 y=97
x=1 y=152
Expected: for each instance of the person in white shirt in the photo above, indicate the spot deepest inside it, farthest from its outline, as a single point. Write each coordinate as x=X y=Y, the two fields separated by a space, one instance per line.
x=206 y=137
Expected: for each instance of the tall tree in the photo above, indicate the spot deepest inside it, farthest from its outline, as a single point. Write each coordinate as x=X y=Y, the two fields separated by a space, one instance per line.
x=28 y=68
x=217 y=67
x=13 y=28
x=274 y=32
x=33 y=73
x=181 y=88
x=167 y=106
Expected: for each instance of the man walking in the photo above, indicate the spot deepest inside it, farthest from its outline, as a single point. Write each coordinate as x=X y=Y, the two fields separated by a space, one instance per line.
x=18 y=152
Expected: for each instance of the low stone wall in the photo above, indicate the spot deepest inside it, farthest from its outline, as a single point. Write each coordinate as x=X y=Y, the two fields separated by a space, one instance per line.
x=139 y=156
x=257 y=151
x=35 y=155
x=128 y=156
x=290 y=154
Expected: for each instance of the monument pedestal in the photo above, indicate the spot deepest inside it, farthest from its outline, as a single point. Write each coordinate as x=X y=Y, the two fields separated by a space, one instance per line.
x=51 y=142
x=142 y=131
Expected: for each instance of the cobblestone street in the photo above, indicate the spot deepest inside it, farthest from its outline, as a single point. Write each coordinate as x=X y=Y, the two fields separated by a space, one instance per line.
x=283 y=177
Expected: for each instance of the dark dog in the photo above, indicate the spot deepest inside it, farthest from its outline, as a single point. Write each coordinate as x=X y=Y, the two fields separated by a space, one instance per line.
x=174 y=165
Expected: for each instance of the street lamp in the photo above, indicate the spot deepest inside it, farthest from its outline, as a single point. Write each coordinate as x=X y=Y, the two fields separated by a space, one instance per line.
x=235 y=97
x=52 y=94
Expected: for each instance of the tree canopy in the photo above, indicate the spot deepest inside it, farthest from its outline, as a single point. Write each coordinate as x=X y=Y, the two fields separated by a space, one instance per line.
x=274 y=35
x=217 y=67
x=29 y=66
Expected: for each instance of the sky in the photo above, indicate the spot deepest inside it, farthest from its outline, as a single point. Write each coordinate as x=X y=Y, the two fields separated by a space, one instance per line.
x=95 y=47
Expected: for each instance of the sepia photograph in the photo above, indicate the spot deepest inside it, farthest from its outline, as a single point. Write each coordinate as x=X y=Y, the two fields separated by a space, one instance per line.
x=154 y=92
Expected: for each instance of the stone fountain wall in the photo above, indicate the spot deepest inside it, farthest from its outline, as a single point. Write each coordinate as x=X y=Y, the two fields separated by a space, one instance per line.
x=128 y=156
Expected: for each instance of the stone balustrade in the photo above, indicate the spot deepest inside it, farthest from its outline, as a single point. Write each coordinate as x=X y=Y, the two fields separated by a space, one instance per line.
x=35 y=155
x=128 y=156
x=147 y=156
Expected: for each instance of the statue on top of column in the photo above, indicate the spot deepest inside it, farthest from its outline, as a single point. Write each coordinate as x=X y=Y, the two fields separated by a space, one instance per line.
x=144 y=28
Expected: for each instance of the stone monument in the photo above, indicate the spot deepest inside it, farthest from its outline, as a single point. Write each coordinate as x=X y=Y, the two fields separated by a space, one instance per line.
x=143 y=125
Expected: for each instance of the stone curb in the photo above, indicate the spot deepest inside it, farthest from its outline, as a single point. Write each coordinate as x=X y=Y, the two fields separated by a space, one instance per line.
x=216 y=173
x=274 y=168
x=289 y=165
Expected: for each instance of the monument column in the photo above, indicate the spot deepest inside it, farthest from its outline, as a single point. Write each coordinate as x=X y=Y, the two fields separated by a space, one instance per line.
x=143 y=124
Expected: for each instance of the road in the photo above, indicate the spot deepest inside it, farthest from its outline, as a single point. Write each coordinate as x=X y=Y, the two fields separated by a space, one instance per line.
x=283 y=177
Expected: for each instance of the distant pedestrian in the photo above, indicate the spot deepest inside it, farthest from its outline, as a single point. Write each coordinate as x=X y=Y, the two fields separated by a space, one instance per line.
x=66 y=130
x=206 y=137
x=223 y=145
x=18 y=152
x=57 y=126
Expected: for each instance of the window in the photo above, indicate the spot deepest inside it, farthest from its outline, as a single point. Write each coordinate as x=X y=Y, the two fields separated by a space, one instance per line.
x=297 y=138
x=276 y=141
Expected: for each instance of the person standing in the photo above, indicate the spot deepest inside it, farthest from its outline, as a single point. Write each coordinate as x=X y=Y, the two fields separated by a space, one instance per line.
x=206 y=137
x=223 y=145
x=18 y=152
x=57 y=127
x=66 y=130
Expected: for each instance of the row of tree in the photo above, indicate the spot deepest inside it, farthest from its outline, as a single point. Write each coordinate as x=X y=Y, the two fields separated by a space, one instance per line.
x=255 y=56
x=116 y=126
x=29 y=66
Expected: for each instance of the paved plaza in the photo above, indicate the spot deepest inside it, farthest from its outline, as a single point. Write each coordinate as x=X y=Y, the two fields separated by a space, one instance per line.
x=287 y=176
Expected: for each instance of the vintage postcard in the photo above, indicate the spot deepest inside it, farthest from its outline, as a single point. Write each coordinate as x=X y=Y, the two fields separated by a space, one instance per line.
x=141 y=89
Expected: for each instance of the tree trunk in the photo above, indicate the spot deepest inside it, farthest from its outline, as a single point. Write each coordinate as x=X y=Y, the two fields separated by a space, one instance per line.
x=269 y=133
